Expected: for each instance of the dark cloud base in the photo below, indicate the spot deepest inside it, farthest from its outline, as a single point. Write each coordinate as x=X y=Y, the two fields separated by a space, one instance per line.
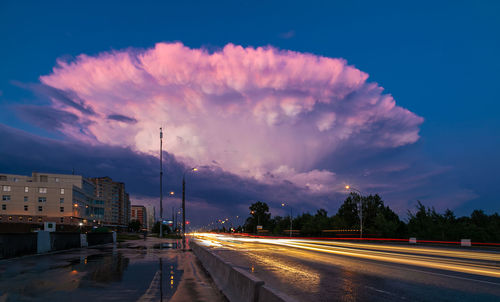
x=221 y=193
x=213 y=193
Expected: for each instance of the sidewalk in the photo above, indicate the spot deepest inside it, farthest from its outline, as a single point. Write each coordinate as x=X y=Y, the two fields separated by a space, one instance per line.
x=195 y=284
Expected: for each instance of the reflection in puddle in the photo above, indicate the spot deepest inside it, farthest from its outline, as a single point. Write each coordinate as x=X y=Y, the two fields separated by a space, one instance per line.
x=168 y=245
x=112 y=275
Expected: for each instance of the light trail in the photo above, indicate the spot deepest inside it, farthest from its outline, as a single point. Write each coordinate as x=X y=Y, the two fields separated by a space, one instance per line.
x=415 y=256
x=417 y=250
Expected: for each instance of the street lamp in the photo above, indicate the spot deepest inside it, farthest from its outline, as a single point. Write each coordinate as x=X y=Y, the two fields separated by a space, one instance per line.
x=161 y=183
x=194 y=169
x=347 y=187
x=171 y=194
x=291 y=221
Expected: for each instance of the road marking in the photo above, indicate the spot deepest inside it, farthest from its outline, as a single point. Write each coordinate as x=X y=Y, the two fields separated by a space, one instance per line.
x=385 y=292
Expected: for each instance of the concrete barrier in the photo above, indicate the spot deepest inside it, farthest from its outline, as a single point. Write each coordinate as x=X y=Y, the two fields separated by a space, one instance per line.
x=64 y=241
x=83 y=240
x=99 y=238
x=269 y=294
x=17 y=244
x=465 y=242
x=43 y=242
x=235 y=283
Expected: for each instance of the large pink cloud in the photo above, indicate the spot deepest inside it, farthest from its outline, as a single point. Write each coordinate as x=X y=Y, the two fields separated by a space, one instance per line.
x=255 y=112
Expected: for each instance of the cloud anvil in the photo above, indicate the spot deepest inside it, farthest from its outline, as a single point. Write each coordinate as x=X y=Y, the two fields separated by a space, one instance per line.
x=255 y=111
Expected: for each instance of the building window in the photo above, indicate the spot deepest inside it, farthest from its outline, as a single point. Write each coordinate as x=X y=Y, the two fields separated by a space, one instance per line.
x=40 y=208
x=44 y=178
x=61 y=209
x=61 y=200
x=6 y=188
x=26 y=208
x=4 y=207
x=40 y=219
x=10 y=218
x=30 y=218
x=62 y=191
x=62 y=219
x=20 y=218
x=5 y=197
x=3 y=177
x=42 y=190
x=26 y=189
x=42 y=199
x=25 y=198
x=57 y=179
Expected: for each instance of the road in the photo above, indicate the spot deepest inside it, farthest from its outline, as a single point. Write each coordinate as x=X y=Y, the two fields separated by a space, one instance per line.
x=314 y=270
x=136 y=270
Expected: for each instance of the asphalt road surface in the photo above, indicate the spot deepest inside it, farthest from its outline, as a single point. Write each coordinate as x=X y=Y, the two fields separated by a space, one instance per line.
x=313 y=270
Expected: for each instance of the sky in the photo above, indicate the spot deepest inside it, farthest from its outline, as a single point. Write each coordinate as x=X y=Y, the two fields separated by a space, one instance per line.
x=275 y=102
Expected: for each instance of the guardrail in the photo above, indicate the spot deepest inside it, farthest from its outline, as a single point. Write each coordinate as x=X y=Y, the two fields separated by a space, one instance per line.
x=236 y=284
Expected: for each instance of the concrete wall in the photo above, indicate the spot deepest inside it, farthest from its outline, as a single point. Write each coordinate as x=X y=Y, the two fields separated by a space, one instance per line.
x=63 y=241
x=18 y=244
x=14 y=245
x=99 y=238
x=236 y=284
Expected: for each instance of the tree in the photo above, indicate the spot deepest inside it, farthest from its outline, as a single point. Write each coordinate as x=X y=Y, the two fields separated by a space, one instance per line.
x=156 y=228
x=348 y=212
x=378 y=220
x=259 y=214
x=135 y=225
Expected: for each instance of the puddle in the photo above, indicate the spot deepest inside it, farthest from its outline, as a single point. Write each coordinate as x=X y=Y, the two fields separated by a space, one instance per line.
x=167 y=245
x=127 y=275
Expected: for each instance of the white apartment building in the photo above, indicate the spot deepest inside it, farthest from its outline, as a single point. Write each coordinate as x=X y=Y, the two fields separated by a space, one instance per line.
x=60 y=198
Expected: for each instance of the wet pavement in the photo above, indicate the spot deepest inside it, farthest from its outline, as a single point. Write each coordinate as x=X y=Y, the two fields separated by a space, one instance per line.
x=130 y=271
x=309 y=275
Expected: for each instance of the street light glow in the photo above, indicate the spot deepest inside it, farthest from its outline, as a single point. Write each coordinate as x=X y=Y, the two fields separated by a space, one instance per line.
x=347 y=187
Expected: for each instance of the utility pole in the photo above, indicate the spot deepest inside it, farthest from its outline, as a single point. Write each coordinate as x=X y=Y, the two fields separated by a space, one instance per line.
x=361 y=217
x=184 y=206
x=161 y=183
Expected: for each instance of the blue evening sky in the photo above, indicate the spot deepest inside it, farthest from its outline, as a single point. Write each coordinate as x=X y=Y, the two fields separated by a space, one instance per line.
x=439 y=59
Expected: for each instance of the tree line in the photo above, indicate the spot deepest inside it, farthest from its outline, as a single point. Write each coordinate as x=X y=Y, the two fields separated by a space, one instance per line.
x=379 y=220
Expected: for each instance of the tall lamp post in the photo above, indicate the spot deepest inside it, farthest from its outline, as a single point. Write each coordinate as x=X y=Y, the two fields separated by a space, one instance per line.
x=291 y=219
x=360 y=208
x=161 y=183
x=194 y=169
x=171 y=194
